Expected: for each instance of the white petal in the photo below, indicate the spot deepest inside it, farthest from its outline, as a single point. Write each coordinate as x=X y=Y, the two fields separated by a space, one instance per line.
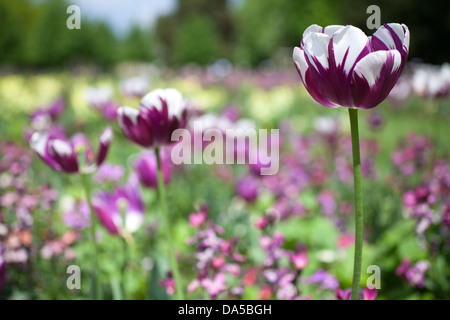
x=316 y=45
x=300 y=61
x=352 y=39
x=401 y=31
x=406 y=39
x=370 y=66
x=173 y=97
x=106 y=136
x=312 y=29
x=61 y=147
x=38 y=142
x=134 y=220
x=330 y=30
x=130 y=113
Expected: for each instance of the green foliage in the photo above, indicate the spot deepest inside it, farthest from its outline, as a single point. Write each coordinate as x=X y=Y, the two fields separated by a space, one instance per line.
x=196 y=41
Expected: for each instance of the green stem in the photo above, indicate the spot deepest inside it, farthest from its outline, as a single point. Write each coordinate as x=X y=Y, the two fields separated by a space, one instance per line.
x=87 y=190
x=125 y=248
x=353 y=113
x=168 y=230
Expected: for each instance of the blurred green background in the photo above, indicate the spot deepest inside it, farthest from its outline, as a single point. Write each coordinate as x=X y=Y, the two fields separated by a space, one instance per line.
x=248 y=32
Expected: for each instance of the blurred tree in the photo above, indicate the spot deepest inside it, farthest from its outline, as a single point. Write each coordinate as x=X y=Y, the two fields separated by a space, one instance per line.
x=14 y=22
x=138 y=45
x=203 y=25
x=51 y=43
x=267 y=25
x=199 y=42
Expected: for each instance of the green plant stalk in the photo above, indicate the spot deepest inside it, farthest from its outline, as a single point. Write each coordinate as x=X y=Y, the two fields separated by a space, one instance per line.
x=168 y=231
x=93 y=229
x=123 y=211
x=353 y=114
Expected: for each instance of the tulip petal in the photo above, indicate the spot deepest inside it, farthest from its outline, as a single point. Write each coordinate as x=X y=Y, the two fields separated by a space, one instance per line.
x=300 y=62
x=105 y=141
x=172 y=97
x=332 y=29
x=374 y=77
x=392 y=36
x=108 y=216
x=311 y=29
x=39 y=143
x=350 y=44
x=316 y=50
x=64 y=154
x=135 y=126
x=305 y=75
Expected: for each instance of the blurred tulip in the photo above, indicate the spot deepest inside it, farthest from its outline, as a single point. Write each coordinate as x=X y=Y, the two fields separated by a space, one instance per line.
x=160 y=113
x=64 y=155
x=109 y=207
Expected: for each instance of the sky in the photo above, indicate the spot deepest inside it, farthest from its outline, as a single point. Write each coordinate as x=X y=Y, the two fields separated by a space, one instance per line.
x=122 y=14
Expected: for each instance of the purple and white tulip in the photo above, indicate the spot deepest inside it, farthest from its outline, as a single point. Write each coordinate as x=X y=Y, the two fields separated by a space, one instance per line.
x=341 y=67
x=160 y=113
x=109 y=206
x=65 y=155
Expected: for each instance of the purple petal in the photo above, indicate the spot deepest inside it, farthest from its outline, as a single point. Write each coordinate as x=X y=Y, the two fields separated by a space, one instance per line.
x=374 y=77
x=135 y=126
x=105 y=141
x=64 y=154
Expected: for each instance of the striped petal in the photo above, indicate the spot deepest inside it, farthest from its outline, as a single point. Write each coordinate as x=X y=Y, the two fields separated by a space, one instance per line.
x=105 y=141
x=374 y=77
x=172 y=97
x=64 y=154
x=350 y=44
x=306 y=77
x=135 y=126
x=39 y=143
x=392 y=36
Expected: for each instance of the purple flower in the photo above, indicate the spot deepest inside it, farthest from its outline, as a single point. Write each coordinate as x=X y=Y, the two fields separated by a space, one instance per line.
x=78 y=216
x=341 y=67
x=52 y=111
x=369 y=294
x=299 y=259
x=327 y=203
x=109 y=172
x=168 y=283
x=109 y=206
x=326 y=280
x=216 y=285
x=414 y=274
x=198 y=218
x=375 y=120
x=147 y=168
x=64 y=155
x=247 y=188
x=160 y=113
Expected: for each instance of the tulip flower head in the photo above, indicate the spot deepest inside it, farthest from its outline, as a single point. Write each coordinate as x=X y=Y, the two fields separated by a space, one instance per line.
x=125 y=201
x=341 y=67
x=71 y=156
x=160 y=113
